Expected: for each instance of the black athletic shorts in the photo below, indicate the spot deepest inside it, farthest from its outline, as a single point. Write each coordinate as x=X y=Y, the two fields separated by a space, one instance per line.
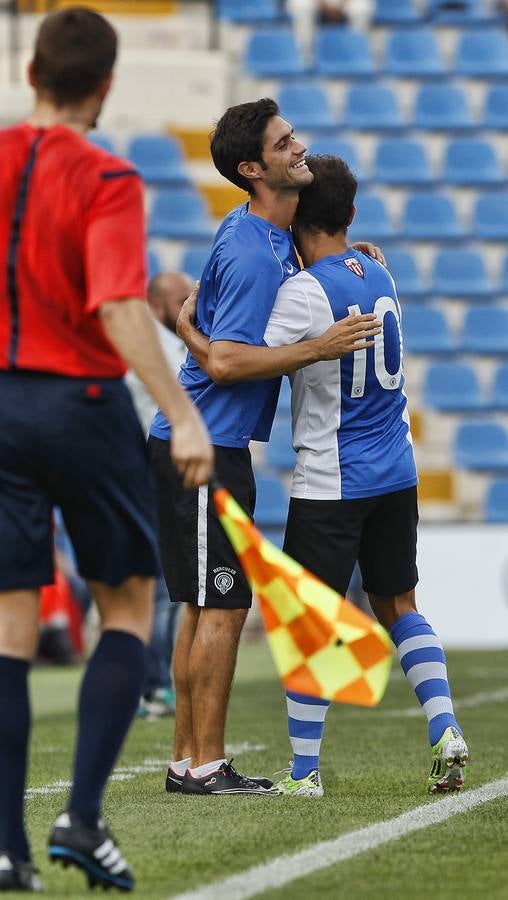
x=75 y=443
x=199 y=563
x=329 y=536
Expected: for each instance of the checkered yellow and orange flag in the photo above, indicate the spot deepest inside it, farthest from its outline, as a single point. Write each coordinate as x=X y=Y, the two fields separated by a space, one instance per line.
x=322 y=645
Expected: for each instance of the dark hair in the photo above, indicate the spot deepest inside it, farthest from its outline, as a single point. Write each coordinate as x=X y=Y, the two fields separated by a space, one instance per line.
x=327 y=203
x=238 y=137
x=75 y=51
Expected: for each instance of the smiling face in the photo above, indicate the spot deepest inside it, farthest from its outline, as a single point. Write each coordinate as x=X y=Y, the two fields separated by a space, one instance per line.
x=283 y=166
x=284 y=157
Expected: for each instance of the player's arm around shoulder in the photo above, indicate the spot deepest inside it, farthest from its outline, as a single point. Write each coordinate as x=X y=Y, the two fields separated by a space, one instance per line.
x=295 y=321
x=131 y=329
x=286 y=343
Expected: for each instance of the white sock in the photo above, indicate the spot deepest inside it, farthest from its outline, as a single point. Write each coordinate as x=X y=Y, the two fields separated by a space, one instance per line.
x=180 y=766
x=207 y=769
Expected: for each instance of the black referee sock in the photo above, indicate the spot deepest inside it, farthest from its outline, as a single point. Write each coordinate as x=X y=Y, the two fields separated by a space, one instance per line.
x=109 y=697
x=14 y=734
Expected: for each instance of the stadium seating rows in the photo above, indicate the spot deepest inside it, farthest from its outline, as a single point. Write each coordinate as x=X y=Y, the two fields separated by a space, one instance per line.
x=396 y=160
x=484 y=331
x=183 y=213
x=432 y=216
x=386 y=12
x=342 y=52
x=374 y=106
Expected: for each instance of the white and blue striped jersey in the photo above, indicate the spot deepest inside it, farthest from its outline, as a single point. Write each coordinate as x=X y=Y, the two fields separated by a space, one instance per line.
x=249 y=261
x=350 y=418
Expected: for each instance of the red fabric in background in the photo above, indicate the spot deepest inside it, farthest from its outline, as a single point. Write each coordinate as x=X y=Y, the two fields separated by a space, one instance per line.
x=58 y=600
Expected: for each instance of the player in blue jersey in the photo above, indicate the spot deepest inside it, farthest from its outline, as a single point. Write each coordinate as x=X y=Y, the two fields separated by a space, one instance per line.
x=354 y=493
x=253 y=254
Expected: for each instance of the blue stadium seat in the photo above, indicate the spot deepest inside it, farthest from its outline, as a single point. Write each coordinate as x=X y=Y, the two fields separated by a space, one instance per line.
x=496 y=108
x=102 y=140
x=490 y=219
x=426 y=330
x=485 y=330
x=481 y=446
x=413 y=54
x=396 y=12
x=504 y=277
x=273 y=53
x=461 y=273
x=371 y=221
x=402 y=162
x=442 y=107
x=306 y=106
x=472 y=162
x=496 y=501
x=330 y=146
x=158 y=159
x=430 y=216
x=403 y=266
x=450 y=387
x=279 y=451
x=194 y=260
x=154 y=264
x=271 y=501
x=342 y=52
x=372 y=107
x=500 y=388
x=180 y=214
x=284 y=402
x=482 y=54
x=467 y=12
x=248 y=11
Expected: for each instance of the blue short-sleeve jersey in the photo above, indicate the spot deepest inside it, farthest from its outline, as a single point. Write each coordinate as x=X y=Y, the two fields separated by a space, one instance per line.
x=249 y=261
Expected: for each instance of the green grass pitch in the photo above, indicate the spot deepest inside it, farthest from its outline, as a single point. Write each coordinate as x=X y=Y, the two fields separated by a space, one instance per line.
x=374 y=767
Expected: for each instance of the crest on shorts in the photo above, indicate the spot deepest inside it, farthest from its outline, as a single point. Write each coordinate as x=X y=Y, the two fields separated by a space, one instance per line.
x=354 y=265
x=224 y=579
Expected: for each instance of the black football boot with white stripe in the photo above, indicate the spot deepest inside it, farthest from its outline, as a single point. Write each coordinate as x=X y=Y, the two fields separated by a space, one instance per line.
x=226 y=780
x=92 y=849
x=174 y=781
x=18 y=875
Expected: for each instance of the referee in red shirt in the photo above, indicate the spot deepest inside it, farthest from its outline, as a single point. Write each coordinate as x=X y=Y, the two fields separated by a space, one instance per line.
x=72 y=314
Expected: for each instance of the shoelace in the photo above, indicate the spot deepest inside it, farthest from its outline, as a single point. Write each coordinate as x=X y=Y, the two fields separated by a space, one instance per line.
x=285 y=771
x=244 y=779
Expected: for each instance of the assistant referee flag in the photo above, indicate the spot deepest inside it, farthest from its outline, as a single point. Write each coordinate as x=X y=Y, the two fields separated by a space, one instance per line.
x=323 y=646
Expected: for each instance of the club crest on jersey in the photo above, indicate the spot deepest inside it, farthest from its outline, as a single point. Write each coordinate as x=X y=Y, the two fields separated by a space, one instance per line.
x=355 y=266
x=224 y=579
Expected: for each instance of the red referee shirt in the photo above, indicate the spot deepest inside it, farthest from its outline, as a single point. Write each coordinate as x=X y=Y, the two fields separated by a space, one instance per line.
x=71 y=238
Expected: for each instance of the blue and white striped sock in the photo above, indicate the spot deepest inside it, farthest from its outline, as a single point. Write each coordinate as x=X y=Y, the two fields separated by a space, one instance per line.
x=306 y=722
x=424 y=664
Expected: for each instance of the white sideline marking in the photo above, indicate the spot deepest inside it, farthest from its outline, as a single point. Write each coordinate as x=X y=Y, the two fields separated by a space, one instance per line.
x=123 y=773
x=244 y=747
x=56 y=787
x=285 y=869
x=127 y=773
x=411 y=712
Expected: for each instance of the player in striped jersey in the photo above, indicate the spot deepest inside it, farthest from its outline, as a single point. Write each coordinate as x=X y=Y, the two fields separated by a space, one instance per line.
x=353 y=494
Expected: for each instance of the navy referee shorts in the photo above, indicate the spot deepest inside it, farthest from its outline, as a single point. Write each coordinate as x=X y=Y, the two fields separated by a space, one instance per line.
x=75 y=443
